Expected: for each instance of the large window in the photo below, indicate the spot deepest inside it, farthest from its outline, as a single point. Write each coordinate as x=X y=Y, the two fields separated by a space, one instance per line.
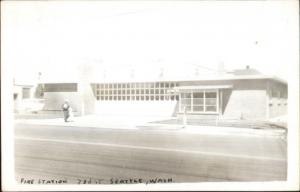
x=186 y=102
x=199 y=102
x=149 y=91
x=26 y=93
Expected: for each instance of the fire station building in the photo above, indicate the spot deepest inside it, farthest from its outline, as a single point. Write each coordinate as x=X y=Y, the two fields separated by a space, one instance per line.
x=244 y=93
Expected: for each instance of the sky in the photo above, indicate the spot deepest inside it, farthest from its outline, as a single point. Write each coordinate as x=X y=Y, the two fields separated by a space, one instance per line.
x=146 y=37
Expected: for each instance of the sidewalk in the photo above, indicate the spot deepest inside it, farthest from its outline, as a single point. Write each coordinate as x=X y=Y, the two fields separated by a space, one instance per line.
x=94 y=121
x=142 y=123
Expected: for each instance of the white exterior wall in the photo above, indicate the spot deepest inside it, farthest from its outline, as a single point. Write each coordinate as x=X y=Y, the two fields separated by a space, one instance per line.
x=21 y=104
x=54 y=100
x=250 y=104
x=143 y=108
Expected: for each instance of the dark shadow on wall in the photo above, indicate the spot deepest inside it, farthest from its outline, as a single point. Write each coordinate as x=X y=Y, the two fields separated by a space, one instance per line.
x=176 y=109
x=226 y=95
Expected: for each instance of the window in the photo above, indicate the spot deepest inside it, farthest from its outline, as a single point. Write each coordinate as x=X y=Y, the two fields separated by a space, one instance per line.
x=60 y=87
x=26 y=93
x=134 y=91
x=186 y=101
x=211 y=101
x=198 y=102
x=156 y=85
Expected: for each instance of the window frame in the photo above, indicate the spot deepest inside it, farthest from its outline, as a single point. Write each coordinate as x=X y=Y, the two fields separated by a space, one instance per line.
x=204 y=102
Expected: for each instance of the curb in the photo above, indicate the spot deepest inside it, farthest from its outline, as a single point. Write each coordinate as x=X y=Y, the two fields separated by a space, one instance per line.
x=190 y=129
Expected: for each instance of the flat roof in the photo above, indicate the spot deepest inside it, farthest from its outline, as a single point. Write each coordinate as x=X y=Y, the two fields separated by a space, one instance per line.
x=226 y=77
x=23 y=85
x=220 y=78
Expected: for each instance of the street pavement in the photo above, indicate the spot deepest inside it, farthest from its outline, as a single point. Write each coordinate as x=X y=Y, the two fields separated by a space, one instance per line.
x=148 y=123
x=78 y=154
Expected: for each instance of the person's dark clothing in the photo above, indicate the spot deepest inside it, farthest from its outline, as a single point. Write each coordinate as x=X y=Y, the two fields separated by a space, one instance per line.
x=65 y=108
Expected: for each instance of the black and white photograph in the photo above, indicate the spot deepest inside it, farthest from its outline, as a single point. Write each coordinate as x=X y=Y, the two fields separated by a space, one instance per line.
x=150 y=95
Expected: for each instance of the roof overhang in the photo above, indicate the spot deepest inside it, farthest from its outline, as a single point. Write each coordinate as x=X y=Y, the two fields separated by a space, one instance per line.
x=25 y=86
x=201 y=88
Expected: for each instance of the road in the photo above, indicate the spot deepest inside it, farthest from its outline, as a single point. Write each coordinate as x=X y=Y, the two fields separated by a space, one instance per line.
x=77 y=154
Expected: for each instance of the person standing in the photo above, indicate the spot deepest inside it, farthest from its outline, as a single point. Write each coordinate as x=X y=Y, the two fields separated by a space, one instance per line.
x=65 y=108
